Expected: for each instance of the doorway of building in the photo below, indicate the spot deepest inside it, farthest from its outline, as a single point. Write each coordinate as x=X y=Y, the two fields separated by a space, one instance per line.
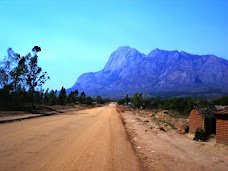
x=210 y=126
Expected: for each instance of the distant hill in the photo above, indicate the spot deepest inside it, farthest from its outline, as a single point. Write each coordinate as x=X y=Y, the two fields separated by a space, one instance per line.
x=159 y=73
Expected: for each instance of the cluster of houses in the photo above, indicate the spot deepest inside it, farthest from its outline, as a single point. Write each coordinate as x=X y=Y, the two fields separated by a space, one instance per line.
x=213 y=120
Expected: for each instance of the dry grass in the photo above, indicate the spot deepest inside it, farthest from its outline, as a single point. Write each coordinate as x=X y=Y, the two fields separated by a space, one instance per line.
x=121 y=108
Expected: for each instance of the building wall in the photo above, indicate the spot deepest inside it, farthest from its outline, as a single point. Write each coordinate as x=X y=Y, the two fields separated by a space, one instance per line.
x=195 y=121
x=222 y=129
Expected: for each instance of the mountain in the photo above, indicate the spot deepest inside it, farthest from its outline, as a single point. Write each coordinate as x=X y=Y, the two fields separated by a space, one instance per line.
x=160 y=72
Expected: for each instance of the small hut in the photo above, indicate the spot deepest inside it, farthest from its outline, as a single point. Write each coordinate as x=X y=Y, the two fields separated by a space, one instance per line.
x=203 y=117
x=213 y=120
x=222 y=126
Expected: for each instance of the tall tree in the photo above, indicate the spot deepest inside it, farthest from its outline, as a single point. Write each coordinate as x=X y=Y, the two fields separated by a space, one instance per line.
x=71 y=97
x=62 y=97
x=126 y=99
x=82 y=97
x=52 y=98
x=76 y=95
x=35 y=77
x=2 y=77
x=12 y=73
x=46 y=99
x=19 y=74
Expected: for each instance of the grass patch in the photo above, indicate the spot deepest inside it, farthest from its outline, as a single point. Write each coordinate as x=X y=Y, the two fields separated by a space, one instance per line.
x=200 y=135
x=172 y=125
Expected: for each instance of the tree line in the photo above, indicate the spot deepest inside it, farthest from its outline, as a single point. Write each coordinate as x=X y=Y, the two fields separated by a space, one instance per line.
x=183 y=105
x=21 y=80
x=51 y=98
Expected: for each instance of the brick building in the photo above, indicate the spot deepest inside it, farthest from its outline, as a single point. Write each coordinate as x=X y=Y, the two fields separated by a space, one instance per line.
x=212 y=120
x=196 y=120
x=222 y=126
x=202 y=117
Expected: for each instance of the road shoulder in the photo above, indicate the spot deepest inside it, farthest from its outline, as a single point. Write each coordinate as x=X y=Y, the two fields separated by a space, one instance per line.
x=159 y=150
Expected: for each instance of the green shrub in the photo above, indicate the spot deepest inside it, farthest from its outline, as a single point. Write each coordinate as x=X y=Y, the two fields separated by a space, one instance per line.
x=200 y=135
x=187 y=129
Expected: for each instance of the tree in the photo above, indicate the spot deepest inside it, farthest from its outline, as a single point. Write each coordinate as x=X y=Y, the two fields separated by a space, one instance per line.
x=46 y=99
x=137 y=100
x=99 y=100
x=62 y=97
x=35 y=77
x=140 y=99
x=202 y=102
x=82 y=97
x=126 y=99
x=221 y=101
x=88 y=100
x=12 y=72
x=15 y=68
x=8 y=63
x=2 y=77
x=52 y=98
x=38 y=96
x=120 y=101
x=106 y=100
x=183 y=105
x=19 y=74
x=71 y=97
x=76 y=95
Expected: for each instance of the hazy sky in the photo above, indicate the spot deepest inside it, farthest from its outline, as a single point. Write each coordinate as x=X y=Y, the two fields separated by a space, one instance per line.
x=77 y=36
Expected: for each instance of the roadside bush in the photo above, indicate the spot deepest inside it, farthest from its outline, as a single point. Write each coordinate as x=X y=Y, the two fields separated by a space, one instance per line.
x=187 y=129
x=201 y=135
x=88 y=100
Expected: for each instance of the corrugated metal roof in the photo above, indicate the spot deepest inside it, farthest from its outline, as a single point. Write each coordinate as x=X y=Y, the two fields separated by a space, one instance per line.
x=210 y=111
x=222 y=111
x=206 y=111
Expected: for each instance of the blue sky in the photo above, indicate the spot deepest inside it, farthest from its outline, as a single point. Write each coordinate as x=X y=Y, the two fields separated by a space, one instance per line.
x=77 y=36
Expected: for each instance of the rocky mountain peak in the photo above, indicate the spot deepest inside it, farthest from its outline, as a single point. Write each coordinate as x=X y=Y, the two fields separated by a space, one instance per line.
x=121 y=58
x=128 y=71
x=157 y=52
x=124 y=49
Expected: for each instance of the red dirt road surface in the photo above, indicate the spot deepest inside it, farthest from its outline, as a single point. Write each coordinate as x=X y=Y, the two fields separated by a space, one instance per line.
x=93 y=139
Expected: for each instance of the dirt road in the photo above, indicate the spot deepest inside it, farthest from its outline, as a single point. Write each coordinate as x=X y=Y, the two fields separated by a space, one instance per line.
x=92 y=139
